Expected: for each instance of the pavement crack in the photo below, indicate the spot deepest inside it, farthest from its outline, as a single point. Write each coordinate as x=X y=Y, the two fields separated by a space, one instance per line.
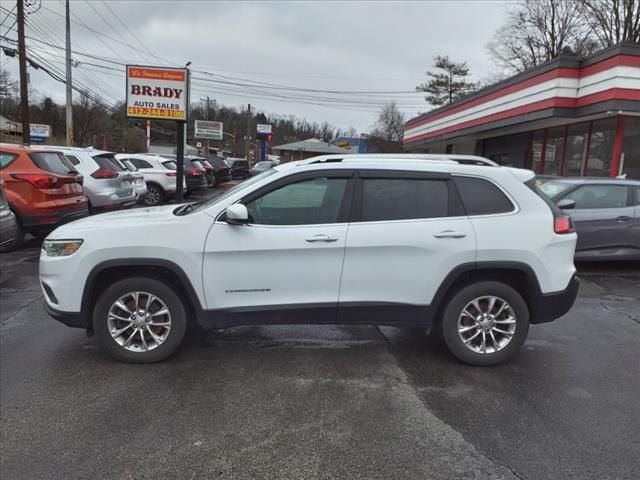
x=20 y=310
x=615 y=310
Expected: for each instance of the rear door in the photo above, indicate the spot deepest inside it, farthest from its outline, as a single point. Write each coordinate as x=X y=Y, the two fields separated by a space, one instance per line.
x=603 y=216
x=407 y=232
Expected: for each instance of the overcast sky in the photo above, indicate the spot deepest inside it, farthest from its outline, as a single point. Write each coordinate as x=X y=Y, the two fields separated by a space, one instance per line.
x=345 y=46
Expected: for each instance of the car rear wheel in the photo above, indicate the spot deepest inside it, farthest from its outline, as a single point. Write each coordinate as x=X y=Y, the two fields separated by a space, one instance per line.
x=139 y=320
x=154 y=196
x=485 y=323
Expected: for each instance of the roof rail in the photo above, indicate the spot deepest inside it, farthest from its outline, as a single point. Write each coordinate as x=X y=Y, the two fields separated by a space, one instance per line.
x=459 y=159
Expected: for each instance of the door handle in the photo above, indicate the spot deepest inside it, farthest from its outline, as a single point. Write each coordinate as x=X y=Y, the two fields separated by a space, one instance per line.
x=321 y=238
x=450 y=234
x=623 y=218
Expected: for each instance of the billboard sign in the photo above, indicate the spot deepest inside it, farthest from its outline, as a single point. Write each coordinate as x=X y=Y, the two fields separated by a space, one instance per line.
x=39 y=132
x=158 y=93
x=264 y=128
x=208 y=130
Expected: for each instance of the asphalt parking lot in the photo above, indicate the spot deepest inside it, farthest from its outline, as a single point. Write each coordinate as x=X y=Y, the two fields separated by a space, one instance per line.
x=322 y=402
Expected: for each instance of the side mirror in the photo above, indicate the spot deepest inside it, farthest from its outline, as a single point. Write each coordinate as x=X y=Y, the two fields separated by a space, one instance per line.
x=566 y=204
x=237 y=214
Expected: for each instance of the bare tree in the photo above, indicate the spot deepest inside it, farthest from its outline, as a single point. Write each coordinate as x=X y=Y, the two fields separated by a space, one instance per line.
x=612 y=21
x=390 y=124
x=448 y=83
x=539 y=30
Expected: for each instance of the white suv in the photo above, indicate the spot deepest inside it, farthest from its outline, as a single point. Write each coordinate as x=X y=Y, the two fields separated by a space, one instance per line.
x=107 y=184
x=452 y=242
x=159 y=174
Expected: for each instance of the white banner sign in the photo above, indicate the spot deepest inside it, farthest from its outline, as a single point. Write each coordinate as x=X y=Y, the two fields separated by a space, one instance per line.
x=39 y=130
x=157 y=92
x=207 y=129
x=263 y=128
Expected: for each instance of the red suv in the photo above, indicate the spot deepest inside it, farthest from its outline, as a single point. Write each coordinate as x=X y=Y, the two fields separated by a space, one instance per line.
x=42 y=189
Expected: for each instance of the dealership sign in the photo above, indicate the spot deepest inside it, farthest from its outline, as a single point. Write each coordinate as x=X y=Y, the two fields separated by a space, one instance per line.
x=157 y=93
x=264 y=128
x=208 y=130
x=39 y=132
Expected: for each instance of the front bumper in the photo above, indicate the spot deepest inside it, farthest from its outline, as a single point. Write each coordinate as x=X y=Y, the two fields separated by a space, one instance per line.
x=70 y=319
x=548 y=307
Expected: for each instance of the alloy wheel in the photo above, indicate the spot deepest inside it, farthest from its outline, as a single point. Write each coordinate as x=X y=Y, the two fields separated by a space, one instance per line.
x=486 y=324
x=153 y=196
x=139 y=321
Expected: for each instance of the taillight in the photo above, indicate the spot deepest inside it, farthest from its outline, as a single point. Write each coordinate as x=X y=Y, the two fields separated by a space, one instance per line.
x=194 y=171
x=562 y=224
x=104 y=173
x=171 y=174
x=39 y=181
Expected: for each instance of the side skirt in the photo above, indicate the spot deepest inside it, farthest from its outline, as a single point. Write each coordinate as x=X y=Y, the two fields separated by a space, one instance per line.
x=376 y=313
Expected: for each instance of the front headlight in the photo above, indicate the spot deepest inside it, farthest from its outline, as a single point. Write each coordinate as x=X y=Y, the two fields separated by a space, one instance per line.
x=61 y=248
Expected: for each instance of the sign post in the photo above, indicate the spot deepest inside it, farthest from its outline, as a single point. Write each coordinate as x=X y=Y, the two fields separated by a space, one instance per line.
x=161 y=93
x=264 y=135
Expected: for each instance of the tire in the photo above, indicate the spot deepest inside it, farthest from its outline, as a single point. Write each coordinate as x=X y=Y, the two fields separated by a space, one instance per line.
x=155 y=195
x=513 y=319
x=123 y=291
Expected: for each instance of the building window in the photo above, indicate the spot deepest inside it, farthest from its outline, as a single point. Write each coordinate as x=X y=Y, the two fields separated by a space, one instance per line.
x=576 y=144
x=631 y=148
x=553 y=151
x=509 y=150
x=603 y=136
x=537 y=147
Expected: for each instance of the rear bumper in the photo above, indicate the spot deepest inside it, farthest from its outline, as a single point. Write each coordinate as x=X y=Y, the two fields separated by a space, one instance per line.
x=70 y=319
x=51 y=221
x=548 y=307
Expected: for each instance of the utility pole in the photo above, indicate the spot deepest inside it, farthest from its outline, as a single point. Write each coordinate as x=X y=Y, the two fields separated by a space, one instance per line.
x=24 y=84
x=68 y=80
x=207 y=118
x=248 y=139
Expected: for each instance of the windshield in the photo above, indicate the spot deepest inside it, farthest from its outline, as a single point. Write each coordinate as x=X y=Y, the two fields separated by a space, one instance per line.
x=243 y=186
x=107 y=160
x=554 y=188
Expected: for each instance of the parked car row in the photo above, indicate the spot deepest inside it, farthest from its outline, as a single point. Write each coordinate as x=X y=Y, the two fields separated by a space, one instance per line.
x=605 y=212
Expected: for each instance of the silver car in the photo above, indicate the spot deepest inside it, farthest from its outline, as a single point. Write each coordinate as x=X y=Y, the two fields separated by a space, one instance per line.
x=137 y=179
x=8 y=225
x=606 y=215
x=107 y=184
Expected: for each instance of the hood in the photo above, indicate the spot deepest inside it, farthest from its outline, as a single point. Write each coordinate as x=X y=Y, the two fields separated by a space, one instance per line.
x=134 y=218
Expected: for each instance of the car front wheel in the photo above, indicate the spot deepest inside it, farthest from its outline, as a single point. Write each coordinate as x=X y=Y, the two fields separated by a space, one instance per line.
x=485 y=323
x=139 y=320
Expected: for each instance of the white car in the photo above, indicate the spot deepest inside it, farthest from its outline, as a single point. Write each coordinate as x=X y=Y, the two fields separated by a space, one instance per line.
x=107 y=184
x=453 y=242
x=159 y=174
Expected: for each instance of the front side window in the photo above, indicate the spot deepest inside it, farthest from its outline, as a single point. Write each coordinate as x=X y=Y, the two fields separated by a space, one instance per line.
x=403 y=199
x=308 y=202
x=481 y=197
x=599 y=196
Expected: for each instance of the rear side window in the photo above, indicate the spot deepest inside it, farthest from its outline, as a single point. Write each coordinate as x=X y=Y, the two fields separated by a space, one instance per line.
x=170 y=165
x=142 y=163
x=6 y=159
x=481 y=197
x=108 y=161
x=52 y=162
x=73 y=159
x=403 y=199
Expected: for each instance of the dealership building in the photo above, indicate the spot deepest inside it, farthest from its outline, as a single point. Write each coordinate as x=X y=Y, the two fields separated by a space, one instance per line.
x=571 y=116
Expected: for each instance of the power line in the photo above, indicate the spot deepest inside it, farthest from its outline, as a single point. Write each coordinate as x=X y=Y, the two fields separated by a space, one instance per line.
x=126 y=27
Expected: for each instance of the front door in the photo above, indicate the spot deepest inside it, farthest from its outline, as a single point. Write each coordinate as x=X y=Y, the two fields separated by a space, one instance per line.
x=285 y=265
x=602 y=216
